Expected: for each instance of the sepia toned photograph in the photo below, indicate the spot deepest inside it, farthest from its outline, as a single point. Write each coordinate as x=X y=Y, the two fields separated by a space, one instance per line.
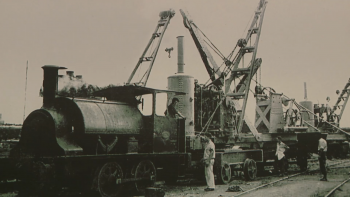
x=161 y=98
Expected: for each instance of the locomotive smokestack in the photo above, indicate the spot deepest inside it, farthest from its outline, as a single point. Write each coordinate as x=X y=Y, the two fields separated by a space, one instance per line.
x=180 y=54
x=50 y=84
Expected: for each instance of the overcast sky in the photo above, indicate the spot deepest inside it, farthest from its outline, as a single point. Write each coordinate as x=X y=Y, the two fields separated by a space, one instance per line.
x=301 y=41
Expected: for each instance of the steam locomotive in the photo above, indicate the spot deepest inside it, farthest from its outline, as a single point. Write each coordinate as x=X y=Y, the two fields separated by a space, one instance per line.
x=98 y=143
x=106 y=142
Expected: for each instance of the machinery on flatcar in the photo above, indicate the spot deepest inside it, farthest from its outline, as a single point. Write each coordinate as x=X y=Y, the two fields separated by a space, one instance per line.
x=220 y=105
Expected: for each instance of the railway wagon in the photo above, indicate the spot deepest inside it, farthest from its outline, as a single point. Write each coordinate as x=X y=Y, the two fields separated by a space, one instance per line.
x=106 y=143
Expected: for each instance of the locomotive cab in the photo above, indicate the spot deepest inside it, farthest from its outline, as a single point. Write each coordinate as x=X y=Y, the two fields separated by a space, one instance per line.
x=160 y=133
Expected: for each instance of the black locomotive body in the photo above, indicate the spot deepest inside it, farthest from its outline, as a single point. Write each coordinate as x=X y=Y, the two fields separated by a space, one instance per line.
x=101 y=144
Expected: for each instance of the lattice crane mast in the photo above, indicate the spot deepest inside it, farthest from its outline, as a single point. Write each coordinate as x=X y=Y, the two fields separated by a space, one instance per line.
x=339 y=106
x=157 y=37
x=223 y=79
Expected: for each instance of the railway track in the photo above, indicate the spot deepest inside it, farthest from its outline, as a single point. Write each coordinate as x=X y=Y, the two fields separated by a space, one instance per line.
x=336 y=187
x=298 y=174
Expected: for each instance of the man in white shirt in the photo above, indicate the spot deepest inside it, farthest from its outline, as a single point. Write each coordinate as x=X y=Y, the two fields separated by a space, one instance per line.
x=208 y=159
x=322 y=152
x=280 y=157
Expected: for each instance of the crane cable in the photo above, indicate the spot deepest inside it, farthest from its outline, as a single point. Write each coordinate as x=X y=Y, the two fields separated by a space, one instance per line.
x=216 y=49
x=218 y=52
x=225 y=69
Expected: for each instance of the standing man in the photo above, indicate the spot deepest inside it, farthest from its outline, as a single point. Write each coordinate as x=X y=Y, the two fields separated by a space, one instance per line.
x=280 y=158
x=208 y=159
x=322 y=151
x=172 y=111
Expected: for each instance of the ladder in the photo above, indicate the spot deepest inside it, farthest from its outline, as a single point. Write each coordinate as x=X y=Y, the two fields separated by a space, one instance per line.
x=341 y=102
x=241 y=91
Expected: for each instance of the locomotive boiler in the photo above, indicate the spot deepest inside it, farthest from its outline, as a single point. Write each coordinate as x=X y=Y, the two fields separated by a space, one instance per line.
x=85 y=142
x=70 y=126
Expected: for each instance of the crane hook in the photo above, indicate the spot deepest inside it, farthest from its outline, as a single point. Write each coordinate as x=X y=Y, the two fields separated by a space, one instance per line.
x=169 y=51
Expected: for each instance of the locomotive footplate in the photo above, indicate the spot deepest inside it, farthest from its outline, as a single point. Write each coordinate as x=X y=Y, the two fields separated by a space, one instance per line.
x=121 y=181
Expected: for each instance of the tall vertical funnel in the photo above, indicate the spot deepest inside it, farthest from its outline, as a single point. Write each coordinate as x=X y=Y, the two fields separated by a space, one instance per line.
x=180 y=54
x=183 y=83
x=305 y=115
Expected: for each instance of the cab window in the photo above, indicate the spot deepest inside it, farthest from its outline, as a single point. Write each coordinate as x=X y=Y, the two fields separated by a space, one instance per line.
x=161 y=103
x=146 y=106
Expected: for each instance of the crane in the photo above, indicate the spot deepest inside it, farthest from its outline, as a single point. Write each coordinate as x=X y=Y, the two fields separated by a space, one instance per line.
x=224 y=78
x=157 y=37
x=338 y=108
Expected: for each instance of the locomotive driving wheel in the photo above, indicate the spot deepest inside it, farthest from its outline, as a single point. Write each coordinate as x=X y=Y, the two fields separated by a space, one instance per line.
x=225 y=174
x=250 y=169
x=108 y=178
x=145 y=169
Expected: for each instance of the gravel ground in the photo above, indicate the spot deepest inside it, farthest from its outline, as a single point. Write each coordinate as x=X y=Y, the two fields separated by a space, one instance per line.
x=304 y=185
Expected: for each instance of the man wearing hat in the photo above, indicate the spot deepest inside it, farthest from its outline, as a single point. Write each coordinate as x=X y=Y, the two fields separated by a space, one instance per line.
x=208 y=159
x=280 y=157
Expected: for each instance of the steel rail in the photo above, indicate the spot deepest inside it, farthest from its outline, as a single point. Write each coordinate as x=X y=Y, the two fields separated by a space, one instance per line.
x=333 y=190
x=261 y=186
x=300 y=173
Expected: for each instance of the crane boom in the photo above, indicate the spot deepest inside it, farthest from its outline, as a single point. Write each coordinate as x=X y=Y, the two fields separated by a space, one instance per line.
x=208 y=60
x=161 y=27
x=255 y=28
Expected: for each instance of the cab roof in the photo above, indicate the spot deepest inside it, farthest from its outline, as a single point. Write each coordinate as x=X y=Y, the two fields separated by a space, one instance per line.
x=129 y=91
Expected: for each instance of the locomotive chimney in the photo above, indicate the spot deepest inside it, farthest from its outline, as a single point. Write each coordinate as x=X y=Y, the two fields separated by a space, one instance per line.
x=180 y=54
x=50 y=84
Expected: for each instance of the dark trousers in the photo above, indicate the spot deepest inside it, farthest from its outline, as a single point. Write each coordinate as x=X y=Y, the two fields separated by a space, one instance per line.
x=322 y=160
x=280 y=164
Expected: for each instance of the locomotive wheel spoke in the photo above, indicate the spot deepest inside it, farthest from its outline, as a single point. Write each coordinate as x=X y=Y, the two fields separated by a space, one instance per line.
x=226 y=173
x=107 y=179
x=250 y=169
x=145 y=169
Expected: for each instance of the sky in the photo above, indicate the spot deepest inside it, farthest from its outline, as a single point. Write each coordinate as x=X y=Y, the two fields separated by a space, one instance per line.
x=301 y=41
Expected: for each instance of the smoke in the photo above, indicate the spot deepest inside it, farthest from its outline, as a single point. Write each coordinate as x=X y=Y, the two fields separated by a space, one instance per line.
x=71 y=86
